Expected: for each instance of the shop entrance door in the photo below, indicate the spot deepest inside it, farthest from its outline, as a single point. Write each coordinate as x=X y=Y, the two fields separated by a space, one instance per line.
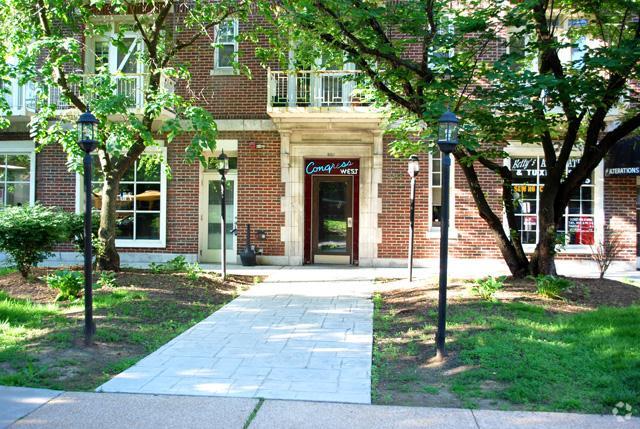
x=210 y=219
x=332 y=219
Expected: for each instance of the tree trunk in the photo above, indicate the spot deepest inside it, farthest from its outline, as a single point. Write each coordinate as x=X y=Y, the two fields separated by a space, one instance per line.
x=513 y=255
x=108 y=257
x=543 y=259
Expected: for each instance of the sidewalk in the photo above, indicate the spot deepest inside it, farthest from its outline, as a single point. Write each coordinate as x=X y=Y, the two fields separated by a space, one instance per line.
x=288 y=339
x=37 y=408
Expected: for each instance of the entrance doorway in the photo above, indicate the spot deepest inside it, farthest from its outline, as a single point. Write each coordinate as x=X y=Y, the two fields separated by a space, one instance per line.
x=210 y=222
x=332 y=219
x=331 y=211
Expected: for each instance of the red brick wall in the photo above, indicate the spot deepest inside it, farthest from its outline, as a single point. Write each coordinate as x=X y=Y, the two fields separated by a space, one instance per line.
x=620 y=195
x=475 y=239
x=55 y=185
x=259 y=189
x=227 y=97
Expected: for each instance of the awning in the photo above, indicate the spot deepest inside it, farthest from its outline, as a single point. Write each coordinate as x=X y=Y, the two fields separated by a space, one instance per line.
x=624 y=158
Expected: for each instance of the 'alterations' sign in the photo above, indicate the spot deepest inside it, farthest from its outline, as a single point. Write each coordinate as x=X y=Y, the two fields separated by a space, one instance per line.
x=340 y=167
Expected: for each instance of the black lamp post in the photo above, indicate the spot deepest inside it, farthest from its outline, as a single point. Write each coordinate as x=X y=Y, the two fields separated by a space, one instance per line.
x=87 y=140
x=223 y=169
x=413 y=170
x=447 y=141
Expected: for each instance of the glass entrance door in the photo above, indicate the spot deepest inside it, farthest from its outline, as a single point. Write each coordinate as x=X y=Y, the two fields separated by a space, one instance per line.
x=333 y=219
x=212 y=240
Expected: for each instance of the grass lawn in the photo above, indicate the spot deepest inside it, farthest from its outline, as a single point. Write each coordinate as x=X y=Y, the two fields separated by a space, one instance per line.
x=521 y=351
x=41 y=341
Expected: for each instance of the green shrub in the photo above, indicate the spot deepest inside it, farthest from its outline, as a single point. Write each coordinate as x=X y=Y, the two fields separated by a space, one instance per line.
x=552 y=286
x=30 y=233
x=68 y=283
x=76 y=231
x=176 y=265
x=193 y=271
x=107 y=279
x=487 y=287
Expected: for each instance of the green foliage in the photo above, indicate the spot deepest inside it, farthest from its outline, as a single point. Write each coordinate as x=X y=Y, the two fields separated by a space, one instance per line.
x=47 y=41
x=107 y=279
x=552 y=286
x=29 y=234
x=76 y=230
x=487 y=287
x=178 y=264
x=193 y=271
x=533 y=93
x=68 y=283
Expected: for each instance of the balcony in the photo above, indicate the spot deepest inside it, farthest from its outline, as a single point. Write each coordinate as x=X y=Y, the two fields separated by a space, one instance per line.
x=131 y=86
x=21 y=99
x=314 y=91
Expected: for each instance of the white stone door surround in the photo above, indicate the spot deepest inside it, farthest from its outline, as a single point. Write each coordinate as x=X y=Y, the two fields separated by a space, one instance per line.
x=346 y=135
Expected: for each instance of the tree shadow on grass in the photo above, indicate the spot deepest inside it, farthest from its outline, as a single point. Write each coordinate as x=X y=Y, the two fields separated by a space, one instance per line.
x=510 y=355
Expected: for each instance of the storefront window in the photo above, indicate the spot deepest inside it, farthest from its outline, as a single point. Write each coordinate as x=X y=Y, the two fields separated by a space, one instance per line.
x=139 y=210
x=15 y=179
x=577 y=226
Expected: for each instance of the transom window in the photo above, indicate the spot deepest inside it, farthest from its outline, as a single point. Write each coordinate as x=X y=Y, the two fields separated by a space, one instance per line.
x=226 y=50
x=15 y=179
x=577 y=225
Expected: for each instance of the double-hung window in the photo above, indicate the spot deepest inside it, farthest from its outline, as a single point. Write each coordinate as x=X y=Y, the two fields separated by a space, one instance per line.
x=17 y=173
x=435 y=192
x=578 y=221
x=226 y=46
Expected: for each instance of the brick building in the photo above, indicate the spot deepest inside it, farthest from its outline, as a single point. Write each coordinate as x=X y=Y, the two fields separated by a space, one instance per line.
x=310 y=173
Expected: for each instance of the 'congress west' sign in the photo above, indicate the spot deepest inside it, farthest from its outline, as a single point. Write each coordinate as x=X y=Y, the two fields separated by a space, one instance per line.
x=341 y=167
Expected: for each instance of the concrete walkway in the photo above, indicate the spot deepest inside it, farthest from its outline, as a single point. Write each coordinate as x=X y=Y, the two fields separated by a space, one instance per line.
x=114 y=411
x=298 y=336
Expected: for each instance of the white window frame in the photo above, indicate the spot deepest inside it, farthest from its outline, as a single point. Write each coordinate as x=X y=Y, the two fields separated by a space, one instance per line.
x=516 y=150
x=128 y=243
x=108 y=36
x=226 y=70
x=533 y=65
x=434 y=231
x=22 y=147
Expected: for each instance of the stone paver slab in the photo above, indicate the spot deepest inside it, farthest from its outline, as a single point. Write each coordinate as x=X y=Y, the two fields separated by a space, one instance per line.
x=17 y=402
x=279 y=340
x=113 y=411
x=316 y=415
x=490 y=419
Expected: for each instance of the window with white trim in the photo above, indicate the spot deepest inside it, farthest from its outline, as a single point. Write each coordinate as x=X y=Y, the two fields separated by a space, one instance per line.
x=578 y=51
x=140 y=204
x=578 y=222
x=16 y=181
x=435 y=190
x=226 y=50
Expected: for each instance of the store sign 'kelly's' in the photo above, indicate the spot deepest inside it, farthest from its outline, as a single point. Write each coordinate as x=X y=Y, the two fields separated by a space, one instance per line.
x=339 y=167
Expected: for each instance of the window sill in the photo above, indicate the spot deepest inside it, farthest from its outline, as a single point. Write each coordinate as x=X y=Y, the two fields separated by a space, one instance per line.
x=224 y=71
x=147 y=244
x=435 y=233
x=571 y=249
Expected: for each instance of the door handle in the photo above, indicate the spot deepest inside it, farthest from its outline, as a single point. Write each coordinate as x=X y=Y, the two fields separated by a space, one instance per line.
x=349 y=222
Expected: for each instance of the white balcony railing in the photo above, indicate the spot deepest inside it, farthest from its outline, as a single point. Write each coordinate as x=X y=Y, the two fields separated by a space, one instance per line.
x=309 y=89
x=21 y=98
x=130 y=85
